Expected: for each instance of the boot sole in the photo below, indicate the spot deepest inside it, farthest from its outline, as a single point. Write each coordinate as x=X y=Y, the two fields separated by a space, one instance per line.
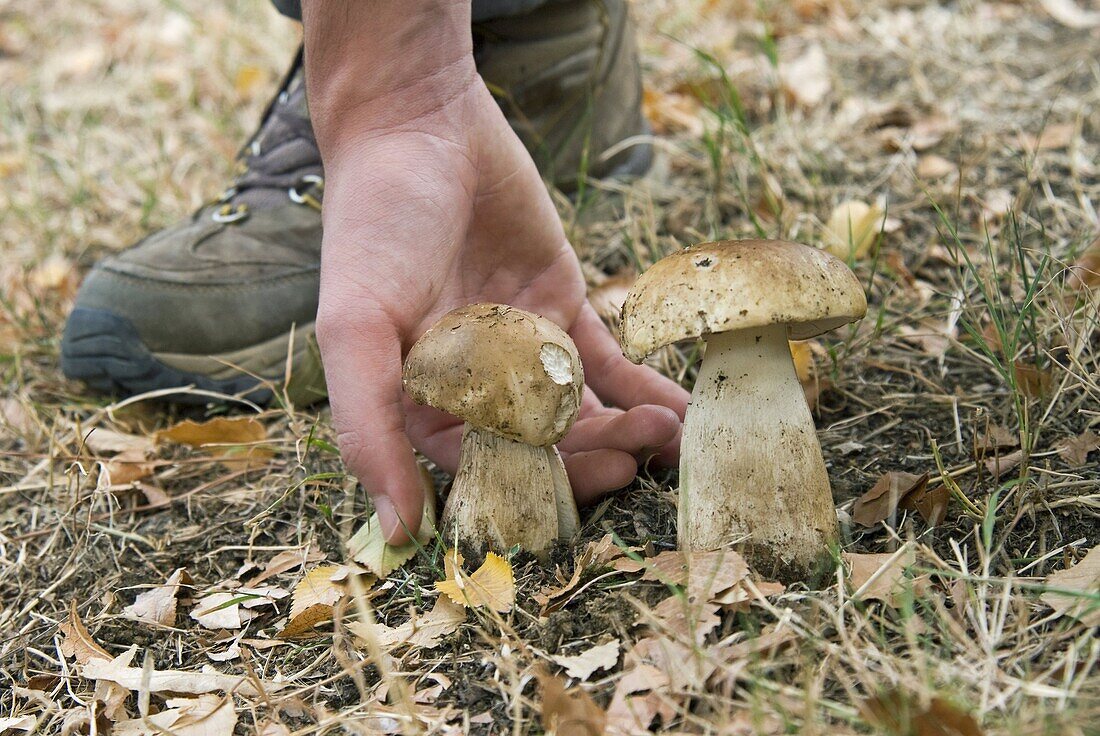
x=105 y=351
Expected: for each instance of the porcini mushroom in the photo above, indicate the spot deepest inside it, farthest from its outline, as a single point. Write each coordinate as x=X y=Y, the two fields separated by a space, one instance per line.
x=750 y=464
x=515 y=379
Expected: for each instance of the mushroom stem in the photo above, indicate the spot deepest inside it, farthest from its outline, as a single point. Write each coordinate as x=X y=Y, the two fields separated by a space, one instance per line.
x=508 y=493
x=751 y=467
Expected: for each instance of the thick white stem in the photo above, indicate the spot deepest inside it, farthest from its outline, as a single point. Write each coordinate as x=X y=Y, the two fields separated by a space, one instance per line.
x=507 y=493
x=750 y=464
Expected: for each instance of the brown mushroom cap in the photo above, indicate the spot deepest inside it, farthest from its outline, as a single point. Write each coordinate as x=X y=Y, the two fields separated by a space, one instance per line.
x=735 y=284
x=501 y=369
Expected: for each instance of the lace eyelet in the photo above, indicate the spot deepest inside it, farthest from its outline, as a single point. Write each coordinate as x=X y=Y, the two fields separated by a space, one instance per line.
x=229 y=213
x=315 y=182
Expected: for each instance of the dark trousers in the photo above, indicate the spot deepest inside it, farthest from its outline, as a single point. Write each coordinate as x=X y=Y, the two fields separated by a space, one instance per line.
x=482 y=9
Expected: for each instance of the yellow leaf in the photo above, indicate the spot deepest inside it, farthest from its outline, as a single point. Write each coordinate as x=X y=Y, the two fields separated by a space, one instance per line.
x=493 y=585
x=368 y=547
x=247 y=79
x=225 y=437
x=322 y=584
x=302 y=623
x=852 y=229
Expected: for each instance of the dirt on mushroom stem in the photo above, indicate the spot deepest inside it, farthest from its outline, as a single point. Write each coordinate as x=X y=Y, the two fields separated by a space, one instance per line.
x=751 y=470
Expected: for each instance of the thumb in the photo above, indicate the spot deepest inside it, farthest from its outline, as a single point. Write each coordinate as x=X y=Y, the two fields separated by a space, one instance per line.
x=362 y=359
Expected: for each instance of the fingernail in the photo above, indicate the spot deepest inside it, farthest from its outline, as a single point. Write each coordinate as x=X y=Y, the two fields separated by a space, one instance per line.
x=387 y=517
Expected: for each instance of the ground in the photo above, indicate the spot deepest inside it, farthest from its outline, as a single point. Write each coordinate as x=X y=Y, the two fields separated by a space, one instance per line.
x=973 y=127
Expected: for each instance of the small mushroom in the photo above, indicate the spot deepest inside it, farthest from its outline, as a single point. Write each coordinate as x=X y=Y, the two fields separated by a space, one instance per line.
x=750 y=463
x=515 y=378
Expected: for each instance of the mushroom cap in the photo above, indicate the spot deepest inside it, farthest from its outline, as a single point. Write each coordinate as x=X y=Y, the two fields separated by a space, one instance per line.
x=501 y=369
x=736 y=284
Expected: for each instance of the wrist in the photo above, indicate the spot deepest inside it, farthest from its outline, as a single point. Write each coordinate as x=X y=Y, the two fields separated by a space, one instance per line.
x=379 y=65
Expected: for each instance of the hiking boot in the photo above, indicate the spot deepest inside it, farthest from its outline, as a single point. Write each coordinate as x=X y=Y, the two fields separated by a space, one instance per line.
x=220 y=301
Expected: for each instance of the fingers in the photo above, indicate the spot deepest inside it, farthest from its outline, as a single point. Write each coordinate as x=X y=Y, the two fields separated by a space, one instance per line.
x=613 y=376
x=362 y=358
x=594 y=473
x=637 y=432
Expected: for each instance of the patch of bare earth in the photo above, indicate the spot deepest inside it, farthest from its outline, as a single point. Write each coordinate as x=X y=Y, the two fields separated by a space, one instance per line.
x=959 y=420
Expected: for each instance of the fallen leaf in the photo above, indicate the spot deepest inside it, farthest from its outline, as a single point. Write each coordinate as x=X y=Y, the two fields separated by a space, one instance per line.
x=228 y=609
x=15 y=415
x=701 y=574
x=77 y=642
x=158 y=606
x=273 y=728
x=207 y=715
x=493 y=585
x=685 y=619
x=1070 y=14
x=607 y=298
x=568 y=712
x=595 y=554
x=741 y=596
x=852 y=229
x=247 y=78
x=882 y=577
x=687 y=666
x=321 y=585
x=1000 y=464
x=802 y=353
x=303 y=623
x=285 y=561
x=640 y=696
x=104 y=441
x=127 y=467
x=994 y=438
x=581 y=666
x=1052 y=137
x=806 y=78
x=933 y=338
x=671 y=112
x=231 y=439
x=881 y=502
x=118 y=671
x=1075 y=450
x=1034 y=382
x=930 y=504
x=1084 y=274
x=1077 y=590
x=423 y=632
x=18 y=723
x=899 y=714
x=931 y=166
x=368 y=547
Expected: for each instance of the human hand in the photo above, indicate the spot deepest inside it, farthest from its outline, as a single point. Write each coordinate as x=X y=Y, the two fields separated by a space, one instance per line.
x=433 y=203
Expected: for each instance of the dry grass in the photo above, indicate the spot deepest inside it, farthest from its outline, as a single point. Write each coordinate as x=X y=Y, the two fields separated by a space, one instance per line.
x=119 y=116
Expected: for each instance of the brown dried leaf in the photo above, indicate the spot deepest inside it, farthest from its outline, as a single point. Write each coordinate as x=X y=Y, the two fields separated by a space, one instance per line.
x=158 y=606
x=1000 y=464
x=1034 y=382
x=581 y=666
x=206 y=715
x=231 y=439
x=303 y=623
x=1075 y=450
x=898 y=713
x=285 y=561
x=640 y=696
x=1050 y=138
x=595 y=555
x=881 y=502
x=802 y=353
x=568 y=712
x=995 y=437
x=127 y=467
x=702 y=574
x=882 y=576
x=687 y=666
x=77 y=642
x=1085 y=272
x=1077 y=590
x=741 y=596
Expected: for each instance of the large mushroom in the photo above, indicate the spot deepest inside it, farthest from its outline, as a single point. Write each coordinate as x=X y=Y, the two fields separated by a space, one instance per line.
x=515 y=379
x=750 y=464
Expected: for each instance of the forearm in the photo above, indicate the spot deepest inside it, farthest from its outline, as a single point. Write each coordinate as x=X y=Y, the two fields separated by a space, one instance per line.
x=380 y=65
